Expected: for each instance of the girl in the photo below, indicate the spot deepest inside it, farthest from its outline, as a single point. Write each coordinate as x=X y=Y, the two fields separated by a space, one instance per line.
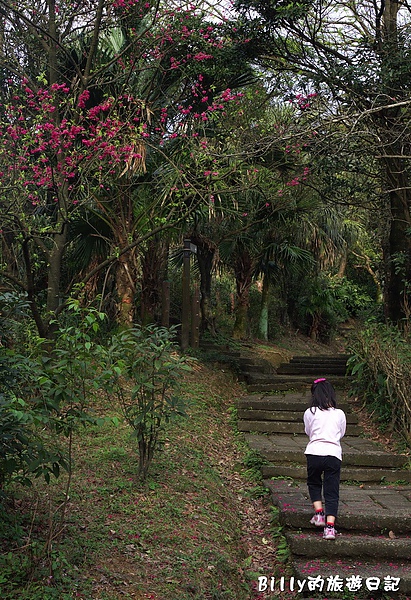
x=325 y=426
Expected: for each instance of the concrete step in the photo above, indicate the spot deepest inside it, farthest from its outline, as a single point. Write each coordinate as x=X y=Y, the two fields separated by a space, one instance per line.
x=265 y=398
x=280 y=415
x=314 y=364
x=258 y=382
x=371 y=509
x=351 y=474
x=317 y=361
x=311 y=545
x=320 y=358
x=316 y=370
x=264 y=378
x=287 y=427
x=355 y=454
x=275 y=387
x=280 y=403
x=363 y=460
x=363 y=508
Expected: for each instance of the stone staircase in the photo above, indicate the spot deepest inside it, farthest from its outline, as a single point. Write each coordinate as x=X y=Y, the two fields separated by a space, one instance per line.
x=298 y=374
x=373 y=544
x=284 y=456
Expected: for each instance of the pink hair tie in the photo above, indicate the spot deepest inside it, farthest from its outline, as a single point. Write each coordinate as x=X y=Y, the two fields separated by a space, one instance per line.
x=321 y=379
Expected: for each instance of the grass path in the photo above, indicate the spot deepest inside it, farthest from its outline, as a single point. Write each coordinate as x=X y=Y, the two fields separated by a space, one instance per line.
x=200 y=527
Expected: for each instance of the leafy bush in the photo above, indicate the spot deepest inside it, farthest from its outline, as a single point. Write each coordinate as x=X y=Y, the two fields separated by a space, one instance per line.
x=319 y=307
x=73 y=372
x=48 y=394
x=70 y=375
x=146 y=376
x=23 y=454
x=44 y=400
x=13 y=311
x=327 y=301
x=351 y=299
x=380 y=365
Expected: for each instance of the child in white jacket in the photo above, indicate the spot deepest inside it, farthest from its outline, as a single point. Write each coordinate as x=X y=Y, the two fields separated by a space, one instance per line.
x=325 y=425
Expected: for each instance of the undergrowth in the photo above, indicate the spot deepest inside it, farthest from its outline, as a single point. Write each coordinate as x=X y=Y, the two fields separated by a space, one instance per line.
x=183 y=534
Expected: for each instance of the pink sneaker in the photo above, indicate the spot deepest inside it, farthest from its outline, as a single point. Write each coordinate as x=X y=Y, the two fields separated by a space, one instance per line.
x=318 y=520
x=329 y=533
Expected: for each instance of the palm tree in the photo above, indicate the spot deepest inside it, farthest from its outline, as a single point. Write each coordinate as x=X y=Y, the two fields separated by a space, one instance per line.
x=280 y=259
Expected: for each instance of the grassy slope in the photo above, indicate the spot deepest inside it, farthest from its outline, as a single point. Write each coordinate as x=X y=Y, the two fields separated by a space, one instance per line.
x=199 y=528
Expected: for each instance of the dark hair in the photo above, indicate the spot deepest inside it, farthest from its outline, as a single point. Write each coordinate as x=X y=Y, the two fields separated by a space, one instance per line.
x=322 y=395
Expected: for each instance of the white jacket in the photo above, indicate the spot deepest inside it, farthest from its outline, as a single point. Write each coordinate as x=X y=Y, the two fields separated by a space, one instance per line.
x=325 y=428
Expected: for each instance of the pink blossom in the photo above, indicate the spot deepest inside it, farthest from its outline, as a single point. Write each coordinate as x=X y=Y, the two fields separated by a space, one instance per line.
x=202 y=56
x=84 y=96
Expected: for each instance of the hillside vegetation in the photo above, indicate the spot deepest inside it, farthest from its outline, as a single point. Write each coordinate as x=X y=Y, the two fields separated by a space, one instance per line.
x=199 y=527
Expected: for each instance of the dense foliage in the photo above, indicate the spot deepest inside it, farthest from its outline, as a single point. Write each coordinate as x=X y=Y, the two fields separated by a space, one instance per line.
x=353 y=55
x=380 y=365
x=145 y=125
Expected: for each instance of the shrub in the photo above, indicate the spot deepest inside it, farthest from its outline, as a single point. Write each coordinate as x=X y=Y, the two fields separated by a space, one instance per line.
x=351 y=299
x=13 y=312
x=23 y=453
x=48 y=393
x=146 y=376
x=381 y=369
x=327 y=301
x=319 y=307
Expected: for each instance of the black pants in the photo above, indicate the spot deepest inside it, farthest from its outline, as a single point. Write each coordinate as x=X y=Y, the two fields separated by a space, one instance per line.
x=330 y=468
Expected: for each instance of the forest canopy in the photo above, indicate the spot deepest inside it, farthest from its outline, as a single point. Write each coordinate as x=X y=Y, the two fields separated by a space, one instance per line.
x=274 y=136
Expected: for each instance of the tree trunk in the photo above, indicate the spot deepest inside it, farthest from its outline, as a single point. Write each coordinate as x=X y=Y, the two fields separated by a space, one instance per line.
x=389 y=20
x=125 y=287
x=398 y=251
x=265 y=299
x=343 y=265
x=205 y=258
x=31 y=296
x=244 y=270
x=315 y=326
x=153 y=271
x=54 y=272
x=60 y=238
x=240 y=329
